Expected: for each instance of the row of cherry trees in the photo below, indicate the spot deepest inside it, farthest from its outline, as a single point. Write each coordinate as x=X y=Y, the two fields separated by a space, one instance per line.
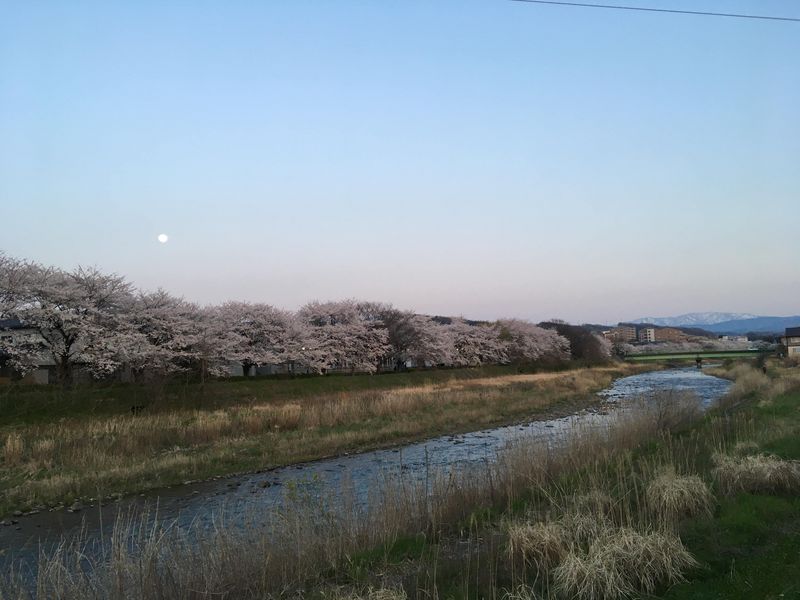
x=102 y=323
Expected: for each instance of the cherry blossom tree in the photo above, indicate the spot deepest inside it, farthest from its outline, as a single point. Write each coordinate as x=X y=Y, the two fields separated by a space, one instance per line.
x=76 y=317
x=101 y=322
x=161 y=330
x=343 y=336
x=473 y=344
x=261 y=334
x=525 y=342
x=412 y=337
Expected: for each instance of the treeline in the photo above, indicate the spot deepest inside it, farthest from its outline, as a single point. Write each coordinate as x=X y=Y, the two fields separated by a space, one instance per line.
x=101 y=323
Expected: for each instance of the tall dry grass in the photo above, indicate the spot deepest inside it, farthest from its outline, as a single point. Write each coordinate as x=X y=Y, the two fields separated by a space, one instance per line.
x=750 y=383
x=77 y=457
x=13 y=448
x=599 y=522
x=672 y=497
x=293 y=547
x=756 y=473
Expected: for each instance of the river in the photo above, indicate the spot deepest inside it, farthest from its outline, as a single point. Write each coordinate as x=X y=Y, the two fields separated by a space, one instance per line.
x=242 y=495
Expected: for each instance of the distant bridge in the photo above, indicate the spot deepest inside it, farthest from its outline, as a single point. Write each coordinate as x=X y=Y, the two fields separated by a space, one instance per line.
x=695 y=355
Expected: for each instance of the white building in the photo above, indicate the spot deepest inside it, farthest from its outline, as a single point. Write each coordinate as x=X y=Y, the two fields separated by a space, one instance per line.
x=647 y=335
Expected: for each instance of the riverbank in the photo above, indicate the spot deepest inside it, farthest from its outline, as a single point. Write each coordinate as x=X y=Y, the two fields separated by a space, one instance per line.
x=420 y=531
x=705 y=508
x=102 y=450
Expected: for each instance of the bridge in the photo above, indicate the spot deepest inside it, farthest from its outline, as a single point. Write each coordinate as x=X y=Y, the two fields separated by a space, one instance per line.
x=719 y=354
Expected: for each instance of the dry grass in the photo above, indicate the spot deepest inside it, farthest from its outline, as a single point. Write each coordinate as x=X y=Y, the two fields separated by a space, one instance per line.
x=289 y=550
x=621 y=561
x=756 y=473
x=12 y=449
x=750 y=383
x=672 y=497
x=371 y=594
x=590 y=577
x=541 y=546
x=77 y=457
x=745 y=447
x=521 y=592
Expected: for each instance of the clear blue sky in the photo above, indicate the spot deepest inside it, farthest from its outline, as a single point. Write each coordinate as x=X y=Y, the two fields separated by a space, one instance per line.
x=483 y=157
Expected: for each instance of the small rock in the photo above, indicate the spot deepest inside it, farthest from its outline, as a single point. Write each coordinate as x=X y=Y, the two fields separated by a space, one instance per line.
x=4 y=523
x=17 y=513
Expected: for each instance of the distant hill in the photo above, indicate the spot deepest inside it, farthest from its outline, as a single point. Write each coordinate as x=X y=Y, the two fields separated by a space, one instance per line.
x=722 y=323
x=700 y=319
x=754 y=325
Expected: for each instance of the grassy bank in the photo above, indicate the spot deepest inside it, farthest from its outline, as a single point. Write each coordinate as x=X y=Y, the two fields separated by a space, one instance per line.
x=662 y=503
x=687 y=511
x=59 y=446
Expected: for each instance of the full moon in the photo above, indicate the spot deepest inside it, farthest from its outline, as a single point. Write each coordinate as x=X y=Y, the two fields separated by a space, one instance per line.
x=163 y=238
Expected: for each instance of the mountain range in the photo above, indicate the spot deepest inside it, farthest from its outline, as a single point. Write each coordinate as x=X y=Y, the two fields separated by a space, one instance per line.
x=719 y=322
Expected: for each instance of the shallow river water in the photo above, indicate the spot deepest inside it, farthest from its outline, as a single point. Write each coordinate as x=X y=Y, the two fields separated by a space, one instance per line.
x=242 y=495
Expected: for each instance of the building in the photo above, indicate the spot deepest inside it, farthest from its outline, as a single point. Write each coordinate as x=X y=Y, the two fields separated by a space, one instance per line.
x=792 y=341
x=670 y=334
x=733 y=338
x=622 y=333
x=647 y=335
x=13 y=332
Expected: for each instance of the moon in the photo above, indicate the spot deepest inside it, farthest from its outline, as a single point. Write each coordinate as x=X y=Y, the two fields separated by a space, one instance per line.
x=163 y=238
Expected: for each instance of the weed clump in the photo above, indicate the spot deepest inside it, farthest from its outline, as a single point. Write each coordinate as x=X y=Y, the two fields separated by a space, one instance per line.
x=374 y=594
x=672 y=497
x=745 y=448
x=12 y=449
x=621 y=562
x=756 y=473
x=540 y=545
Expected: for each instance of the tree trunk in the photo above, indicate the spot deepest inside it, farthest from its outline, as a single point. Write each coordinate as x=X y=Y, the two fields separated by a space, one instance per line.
x=64 y=369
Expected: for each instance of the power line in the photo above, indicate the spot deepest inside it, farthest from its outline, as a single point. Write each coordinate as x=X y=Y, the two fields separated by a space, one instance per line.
x=662 y=10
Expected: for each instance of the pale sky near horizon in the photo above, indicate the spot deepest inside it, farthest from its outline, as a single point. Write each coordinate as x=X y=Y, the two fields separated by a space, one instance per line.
x=479 y=157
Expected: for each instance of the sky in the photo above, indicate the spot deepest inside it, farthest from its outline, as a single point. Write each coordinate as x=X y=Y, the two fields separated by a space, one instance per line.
x=487 y=158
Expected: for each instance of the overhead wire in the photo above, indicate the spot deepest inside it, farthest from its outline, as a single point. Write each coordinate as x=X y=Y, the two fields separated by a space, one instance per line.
x=662 y=10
